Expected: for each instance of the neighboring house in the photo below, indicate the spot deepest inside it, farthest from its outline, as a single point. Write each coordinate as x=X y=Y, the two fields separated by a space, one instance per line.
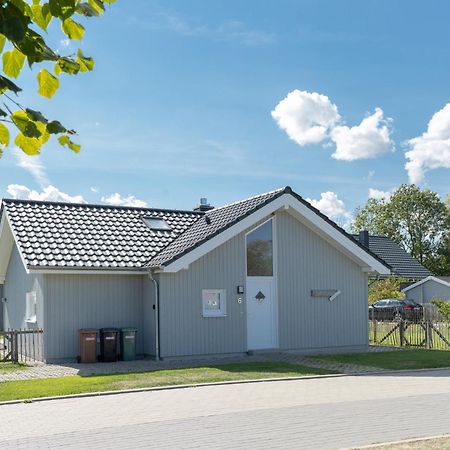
x=268 y=272
x=402 y=263
x=431 y=287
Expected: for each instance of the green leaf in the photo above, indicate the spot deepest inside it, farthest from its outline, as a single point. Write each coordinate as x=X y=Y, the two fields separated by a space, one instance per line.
x=48 y=84
x=4 y=135
x=67 y=65
x=35 y=49
x=41 y=15
x=97 y=5
x=62 y=9
x=87 y=10
x=2 y=42
x=55 y=127
x=31 y=146
x=65 y=141
x=36 y=116
x=6 y=84
x=73 y=29
x=86 y=63
x=28 y=127
x=13 y=62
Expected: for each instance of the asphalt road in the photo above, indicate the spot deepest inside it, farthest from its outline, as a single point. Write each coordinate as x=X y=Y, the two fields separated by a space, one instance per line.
x=325 y=413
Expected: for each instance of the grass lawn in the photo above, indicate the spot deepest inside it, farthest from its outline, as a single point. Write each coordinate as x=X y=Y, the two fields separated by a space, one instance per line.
x=10 y=367
x=396 y=360
x=46 y=387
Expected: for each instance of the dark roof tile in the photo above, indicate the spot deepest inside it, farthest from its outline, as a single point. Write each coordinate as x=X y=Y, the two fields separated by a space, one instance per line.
x=402 y=263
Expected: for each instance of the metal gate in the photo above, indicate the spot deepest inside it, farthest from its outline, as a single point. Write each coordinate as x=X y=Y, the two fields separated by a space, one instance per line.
x=21 y=345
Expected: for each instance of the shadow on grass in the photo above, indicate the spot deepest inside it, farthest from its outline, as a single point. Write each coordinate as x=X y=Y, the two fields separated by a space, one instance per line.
x=262 y=369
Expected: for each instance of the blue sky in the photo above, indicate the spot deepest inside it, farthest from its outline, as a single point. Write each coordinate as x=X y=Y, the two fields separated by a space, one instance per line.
x=179 y=105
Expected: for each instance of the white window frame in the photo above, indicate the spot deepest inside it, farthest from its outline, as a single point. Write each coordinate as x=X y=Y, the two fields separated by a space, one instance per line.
x=31 y=301
x=222 y=311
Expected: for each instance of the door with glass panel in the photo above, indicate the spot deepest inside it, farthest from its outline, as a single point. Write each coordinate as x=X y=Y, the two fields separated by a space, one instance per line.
x=262 y=332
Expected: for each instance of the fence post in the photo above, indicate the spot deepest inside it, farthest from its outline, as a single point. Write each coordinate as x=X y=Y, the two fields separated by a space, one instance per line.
x=375 y=337
x=15 y=347
x=402 y=332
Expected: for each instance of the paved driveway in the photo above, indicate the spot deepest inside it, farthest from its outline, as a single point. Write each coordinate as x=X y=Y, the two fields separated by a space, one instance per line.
x=319 y=413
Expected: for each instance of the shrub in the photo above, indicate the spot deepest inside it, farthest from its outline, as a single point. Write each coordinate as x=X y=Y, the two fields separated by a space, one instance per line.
x=443 y=307
x=386 y=288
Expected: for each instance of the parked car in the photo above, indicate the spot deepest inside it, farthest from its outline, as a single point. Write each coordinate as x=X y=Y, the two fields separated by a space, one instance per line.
x=395 y=309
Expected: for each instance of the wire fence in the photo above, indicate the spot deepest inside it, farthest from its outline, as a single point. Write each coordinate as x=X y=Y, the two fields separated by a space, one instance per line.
x=21 y=346
x=427 y=330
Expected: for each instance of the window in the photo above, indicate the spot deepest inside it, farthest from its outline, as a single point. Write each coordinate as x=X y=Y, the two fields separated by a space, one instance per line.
x=31 y=307
x=214 y=303
x=156 y=223
x=260 y=251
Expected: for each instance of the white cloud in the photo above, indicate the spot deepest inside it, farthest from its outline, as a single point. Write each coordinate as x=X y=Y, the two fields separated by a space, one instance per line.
x=230 y=30
x=33 y=165
x=372 y=137
x=117 y=200
x=379 y=195
x=431 y=150
x=307 y=117
x=94 y=190
x=330 y=205
x=49 y=193
x=64 y=42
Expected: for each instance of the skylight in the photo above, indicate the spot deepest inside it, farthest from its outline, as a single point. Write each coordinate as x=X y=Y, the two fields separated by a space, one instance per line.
x=156 y=223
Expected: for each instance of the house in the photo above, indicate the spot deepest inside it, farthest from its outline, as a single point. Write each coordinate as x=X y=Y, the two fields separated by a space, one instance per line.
x=402 y=263
x=268 y=272
x=425 y=290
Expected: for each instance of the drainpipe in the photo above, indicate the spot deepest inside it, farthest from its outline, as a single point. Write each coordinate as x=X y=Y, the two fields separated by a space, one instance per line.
x=155 y=283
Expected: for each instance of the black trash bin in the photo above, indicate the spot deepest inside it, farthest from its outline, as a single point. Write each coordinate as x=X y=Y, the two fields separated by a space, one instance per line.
x=109 y=344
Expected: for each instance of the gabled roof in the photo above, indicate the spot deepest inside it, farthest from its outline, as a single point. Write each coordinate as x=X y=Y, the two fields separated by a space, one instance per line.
x=402 y=263
x=425 y=280
x=217 y=221
x=214 y=222
x=80 y=236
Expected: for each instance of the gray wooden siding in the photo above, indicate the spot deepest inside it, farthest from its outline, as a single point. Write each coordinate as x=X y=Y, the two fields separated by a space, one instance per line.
x=149 y=317
x=1 y=307
x=89 y=301
x=306 y=262
x=425 y=292
x=184 y=331
x=17 y=284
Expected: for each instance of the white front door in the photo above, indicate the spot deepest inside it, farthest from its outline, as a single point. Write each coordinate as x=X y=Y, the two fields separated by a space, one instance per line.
x=262 y=314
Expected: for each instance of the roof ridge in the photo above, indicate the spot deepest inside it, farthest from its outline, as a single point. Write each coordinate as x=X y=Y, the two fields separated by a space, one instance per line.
x=286 y=189
x=99 y=205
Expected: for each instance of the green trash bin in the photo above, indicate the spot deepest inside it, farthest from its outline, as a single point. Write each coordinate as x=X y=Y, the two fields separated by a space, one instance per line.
x=128 y=344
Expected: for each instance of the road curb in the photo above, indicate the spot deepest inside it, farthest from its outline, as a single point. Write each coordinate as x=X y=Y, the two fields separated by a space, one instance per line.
x=216 y=383
x=404 y=441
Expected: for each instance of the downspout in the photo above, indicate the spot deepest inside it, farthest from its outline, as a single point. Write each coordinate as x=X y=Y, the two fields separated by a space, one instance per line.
x=155 y=283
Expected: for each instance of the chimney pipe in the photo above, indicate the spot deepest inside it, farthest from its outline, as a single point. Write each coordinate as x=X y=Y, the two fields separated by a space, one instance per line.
x=364 y=238
x=204 y=205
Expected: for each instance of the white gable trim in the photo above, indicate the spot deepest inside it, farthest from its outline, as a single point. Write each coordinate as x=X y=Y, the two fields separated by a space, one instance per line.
x=286 y=201
x=6 y=246
x=430 y=278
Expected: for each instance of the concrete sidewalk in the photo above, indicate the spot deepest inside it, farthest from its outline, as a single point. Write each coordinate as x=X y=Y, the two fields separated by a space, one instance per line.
x=322 y=413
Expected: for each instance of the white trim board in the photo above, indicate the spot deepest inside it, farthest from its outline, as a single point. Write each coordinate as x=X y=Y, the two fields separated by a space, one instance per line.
x=6 y=246
x=307 y=216
x=424 y=280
